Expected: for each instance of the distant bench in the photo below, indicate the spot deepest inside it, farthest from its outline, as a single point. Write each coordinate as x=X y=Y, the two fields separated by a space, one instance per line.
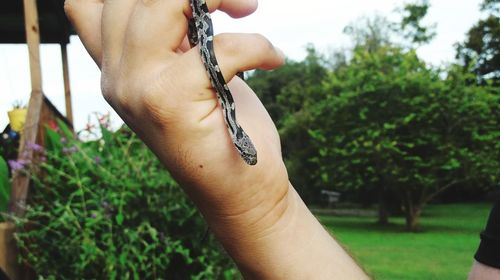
x=331 y=196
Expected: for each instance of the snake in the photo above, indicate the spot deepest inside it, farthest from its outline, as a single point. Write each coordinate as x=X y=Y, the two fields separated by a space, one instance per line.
x=201 y=33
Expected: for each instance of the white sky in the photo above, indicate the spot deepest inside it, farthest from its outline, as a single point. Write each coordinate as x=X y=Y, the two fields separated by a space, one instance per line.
x=314 y=21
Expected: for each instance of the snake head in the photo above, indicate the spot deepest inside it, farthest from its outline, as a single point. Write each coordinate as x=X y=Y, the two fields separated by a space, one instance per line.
x=247 y=150
x=250 y=159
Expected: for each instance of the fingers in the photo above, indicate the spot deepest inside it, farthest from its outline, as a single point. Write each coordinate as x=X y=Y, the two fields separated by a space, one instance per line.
x=85 y=16
x=142 y=28
x=157 y=28
x=241 y=52
x=235 y=53
x=115 y=19
x=234 y=8
x=154 y=28
x=101 y=26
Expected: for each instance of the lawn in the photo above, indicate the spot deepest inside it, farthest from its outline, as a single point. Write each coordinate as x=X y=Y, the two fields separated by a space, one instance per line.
x=443 y=249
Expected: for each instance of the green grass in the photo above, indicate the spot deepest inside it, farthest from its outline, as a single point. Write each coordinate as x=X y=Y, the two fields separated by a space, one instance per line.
x=443 y=249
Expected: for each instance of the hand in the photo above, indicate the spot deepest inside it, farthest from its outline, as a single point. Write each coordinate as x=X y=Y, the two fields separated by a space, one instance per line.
x=159 y=86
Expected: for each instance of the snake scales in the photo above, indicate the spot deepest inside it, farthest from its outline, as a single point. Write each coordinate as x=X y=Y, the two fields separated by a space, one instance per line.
x=201 y=33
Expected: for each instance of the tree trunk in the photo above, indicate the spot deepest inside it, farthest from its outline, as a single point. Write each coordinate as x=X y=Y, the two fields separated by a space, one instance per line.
x=413 y=218
x=412 y=213
x=383 y=214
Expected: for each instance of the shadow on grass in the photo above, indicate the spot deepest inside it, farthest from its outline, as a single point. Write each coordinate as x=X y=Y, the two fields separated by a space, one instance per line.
x=361 y=224
x=397 y=225
x=450 y=229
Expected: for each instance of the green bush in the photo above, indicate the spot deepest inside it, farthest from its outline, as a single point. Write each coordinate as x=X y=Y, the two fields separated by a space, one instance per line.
x=4 y=186
x=106 y=209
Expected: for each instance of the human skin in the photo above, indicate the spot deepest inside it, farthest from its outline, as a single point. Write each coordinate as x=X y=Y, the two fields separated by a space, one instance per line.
x=159 y=87
x=480 y=271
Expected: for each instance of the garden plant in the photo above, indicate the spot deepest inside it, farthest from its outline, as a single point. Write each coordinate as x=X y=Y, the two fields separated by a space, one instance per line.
x=107 y=209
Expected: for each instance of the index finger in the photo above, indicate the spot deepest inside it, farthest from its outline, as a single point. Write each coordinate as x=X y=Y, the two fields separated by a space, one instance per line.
x=157 y=29
x=85 y=16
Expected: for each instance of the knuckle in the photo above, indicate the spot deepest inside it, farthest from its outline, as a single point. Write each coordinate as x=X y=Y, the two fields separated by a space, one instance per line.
x=72 y=8
x=131 y=94
x=261 y=43
x=107 y=89
x=69 y=7
x=114 y=93
x=227 y=44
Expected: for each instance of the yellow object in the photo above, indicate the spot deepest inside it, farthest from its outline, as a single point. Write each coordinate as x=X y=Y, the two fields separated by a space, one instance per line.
x=17 y=118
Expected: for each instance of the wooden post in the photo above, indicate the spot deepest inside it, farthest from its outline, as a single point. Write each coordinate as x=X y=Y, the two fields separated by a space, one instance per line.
x=8 y=250
x=21 y=182
x=67 y=90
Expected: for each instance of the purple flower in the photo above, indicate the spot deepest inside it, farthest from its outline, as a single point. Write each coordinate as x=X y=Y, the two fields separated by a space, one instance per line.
x=34 y=147
x=97 y=160
x=70 y=150
x=93 y=215
x=16 y=165
x=105 y=204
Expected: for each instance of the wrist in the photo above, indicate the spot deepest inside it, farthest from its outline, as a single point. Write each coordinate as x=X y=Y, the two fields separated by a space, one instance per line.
x=287 y=243
x=248 y=214
x=253 y=238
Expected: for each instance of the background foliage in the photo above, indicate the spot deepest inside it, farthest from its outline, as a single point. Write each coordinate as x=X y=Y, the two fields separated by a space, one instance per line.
x=108 y=210
x=4 y=186
x=480 y=52
x=380 y=124
x=372 y=120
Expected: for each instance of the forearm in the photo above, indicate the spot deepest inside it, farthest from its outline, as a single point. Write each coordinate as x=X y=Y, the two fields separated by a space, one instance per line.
x=161 y=89
x=287 y=243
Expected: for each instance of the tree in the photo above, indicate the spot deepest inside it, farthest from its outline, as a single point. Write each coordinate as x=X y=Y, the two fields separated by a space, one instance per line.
x=370 y=33
x=411 y=26
x=377 y=119
x=491 y=5
x=480 y=52
x=409 y=32
x=287 y=91
x=391 y=123
x=378 y=33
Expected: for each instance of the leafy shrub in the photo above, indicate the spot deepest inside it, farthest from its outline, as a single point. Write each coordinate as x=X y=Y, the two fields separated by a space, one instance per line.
x=4 y=186
x=106 y=209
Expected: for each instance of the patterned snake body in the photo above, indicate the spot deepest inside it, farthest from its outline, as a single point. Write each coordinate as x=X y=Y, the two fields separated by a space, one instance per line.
x=201 y=32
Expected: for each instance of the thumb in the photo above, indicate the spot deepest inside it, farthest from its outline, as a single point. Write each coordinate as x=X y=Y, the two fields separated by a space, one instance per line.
x=238 y=52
